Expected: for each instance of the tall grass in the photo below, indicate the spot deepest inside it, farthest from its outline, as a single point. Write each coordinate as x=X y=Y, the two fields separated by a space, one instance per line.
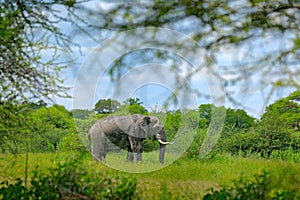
x=182 y=178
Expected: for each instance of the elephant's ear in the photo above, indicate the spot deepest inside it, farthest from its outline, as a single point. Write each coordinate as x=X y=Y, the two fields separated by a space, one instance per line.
x=145 y=120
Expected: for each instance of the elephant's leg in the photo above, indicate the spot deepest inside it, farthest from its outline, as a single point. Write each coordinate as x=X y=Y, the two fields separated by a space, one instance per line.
x=139 y=149
x=135 y=144
x=137 y=152
x=103 y=154
x=98 y=146
x=129 y=154
x=130 y=149
x=162 y=153
x=132 y=153
x=103 y=148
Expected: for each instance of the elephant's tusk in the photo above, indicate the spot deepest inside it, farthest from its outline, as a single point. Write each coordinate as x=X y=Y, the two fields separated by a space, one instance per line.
x=162 y=142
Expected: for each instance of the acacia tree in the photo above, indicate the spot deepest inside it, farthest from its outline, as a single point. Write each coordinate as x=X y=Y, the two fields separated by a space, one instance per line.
x=29 y=27
x=29 y=52
x=261 y=38
x=30 y=45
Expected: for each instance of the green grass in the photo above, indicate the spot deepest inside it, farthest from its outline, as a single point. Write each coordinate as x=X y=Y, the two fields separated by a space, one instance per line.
x=188 y=178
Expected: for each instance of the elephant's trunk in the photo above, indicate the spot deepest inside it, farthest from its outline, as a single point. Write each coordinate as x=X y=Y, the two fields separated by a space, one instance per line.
x=161 y=138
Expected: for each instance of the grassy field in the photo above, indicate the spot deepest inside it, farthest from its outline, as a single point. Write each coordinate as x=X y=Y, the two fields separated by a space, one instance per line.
x=188 y=178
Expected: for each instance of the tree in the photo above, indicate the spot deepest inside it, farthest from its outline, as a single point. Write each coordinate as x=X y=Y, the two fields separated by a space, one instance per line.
x=135 y=106
x=273 y=134
x=50 y=125
x=287 y=110
x=137 y=109
x=133 y=101
x=30 y=28
x=30 y=64
x=220 y=27
x=132 y=106
x=15 y=127
x=126 y=109
x=36 y=105
x=235 y=120
x=26 y=31
x=274 y=131
x=205 y=115
x=105 y=106
x=268 y=136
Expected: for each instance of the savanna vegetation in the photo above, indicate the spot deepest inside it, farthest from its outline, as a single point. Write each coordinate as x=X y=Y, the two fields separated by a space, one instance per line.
x=42 y=150
x=253 y=159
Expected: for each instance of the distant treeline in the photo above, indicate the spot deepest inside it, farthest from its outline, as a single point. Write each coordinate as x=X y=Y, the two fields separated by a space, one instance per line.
x=36 y=127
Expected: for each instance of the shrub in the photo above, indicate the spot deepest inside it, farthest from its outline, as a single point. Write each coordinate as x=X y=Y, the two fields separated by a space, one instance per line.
x=150 y=144
x=258 y=189
x=244 y=143
x=13 y=190
x=194 y=148
x=72 y=141
x=69 y=181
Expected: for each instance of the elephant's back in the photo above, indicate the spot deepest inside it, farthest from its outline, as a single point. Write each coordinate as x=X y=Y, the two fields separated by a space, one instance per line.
x=111 y=123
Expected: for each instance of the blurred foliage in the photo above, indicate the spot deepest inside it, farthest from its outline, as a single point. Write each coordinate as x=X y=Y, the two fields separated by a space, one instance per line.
x=15 y=127
x=246 y=27
x=260 y=188
x=30 y=70
x=70 y=180
x=72 y=142
x=136 y=109
x=26 y=32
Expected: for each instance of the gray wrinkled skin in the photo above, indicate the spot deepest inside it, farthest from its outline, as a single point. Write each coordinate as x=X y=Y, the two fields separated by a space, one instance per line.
x=125 y=132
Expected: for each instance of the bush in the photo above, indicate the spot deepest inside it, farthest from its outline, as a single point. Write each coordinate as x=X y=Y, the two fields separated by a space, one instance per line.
x=244 y=143
x=258 y=142
x=13 y=190
x=258 y=189
x=69 y=181
x=72 y=142
x=150 y=144
x=193 y=150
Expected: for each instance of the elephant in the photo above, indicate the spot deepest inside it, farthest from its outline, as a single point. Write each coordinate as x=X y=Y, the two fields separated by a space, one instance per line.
x=126 y=132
